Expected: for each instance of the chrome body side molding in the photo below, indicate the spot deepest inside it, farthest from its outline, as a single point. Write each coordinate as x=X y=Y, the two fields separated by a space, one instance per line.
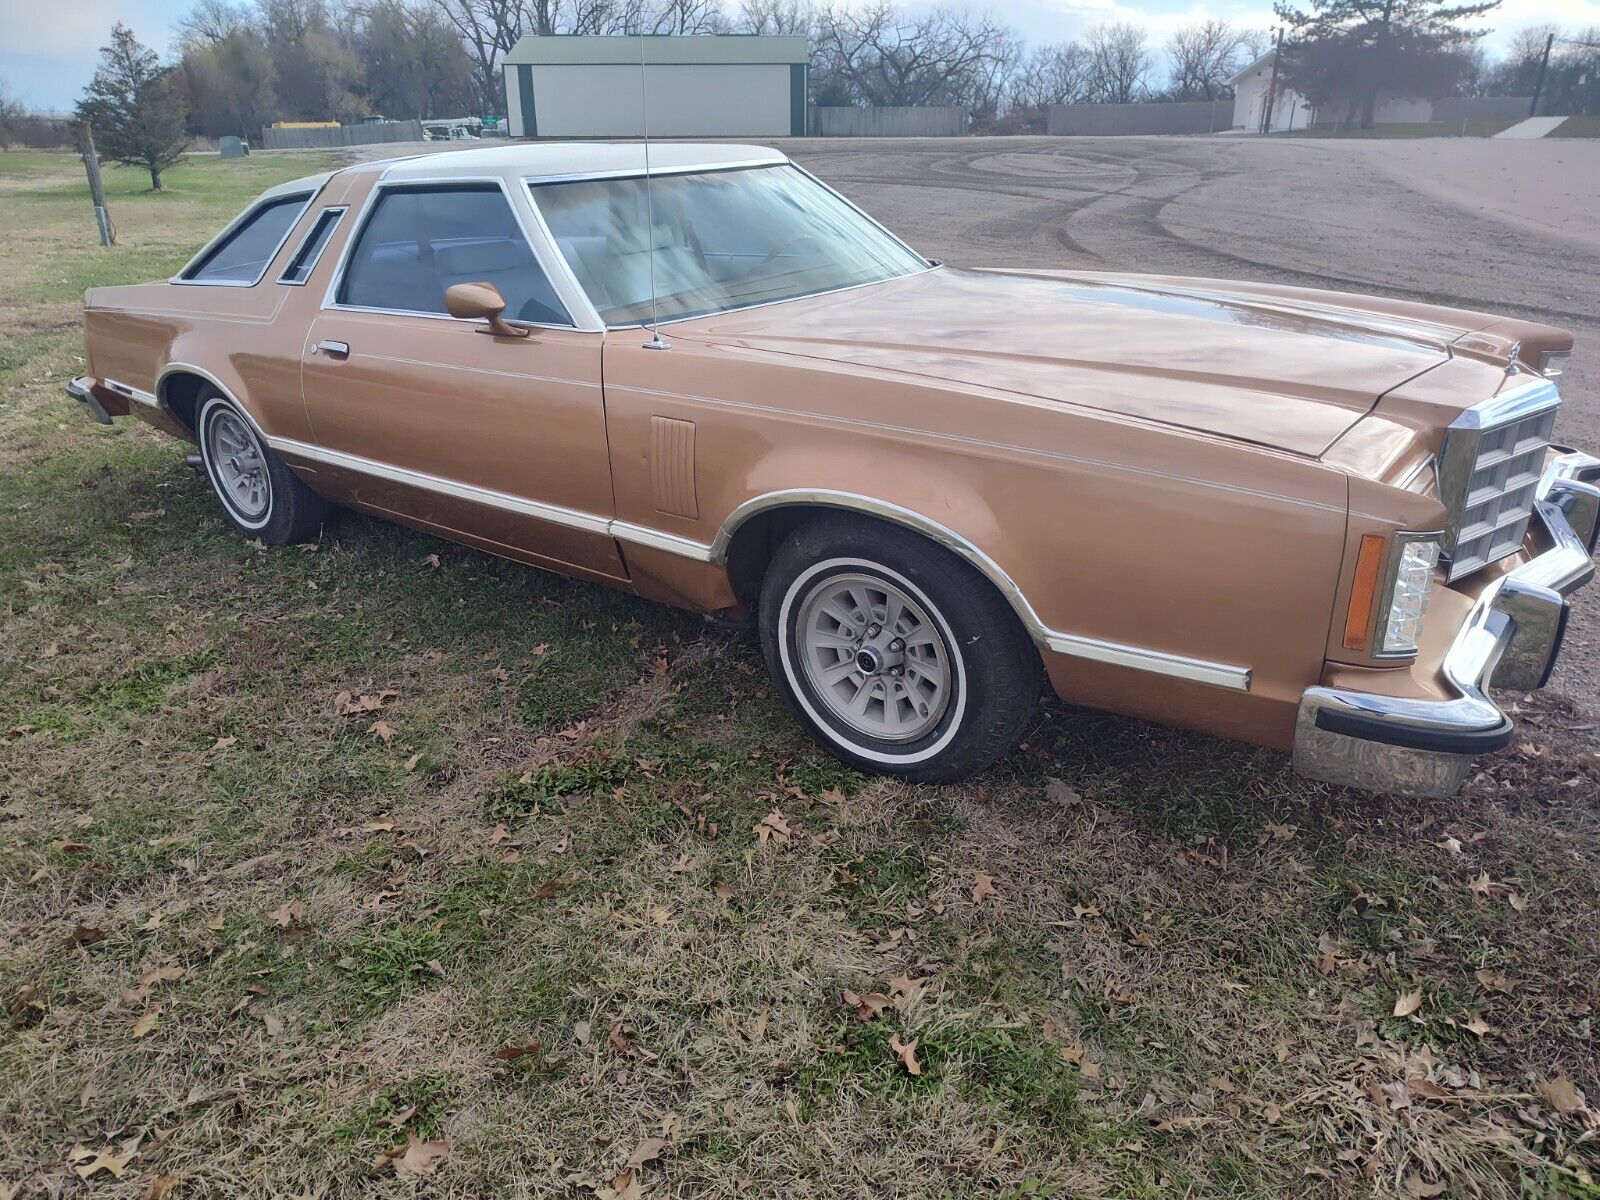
x=1138 y=658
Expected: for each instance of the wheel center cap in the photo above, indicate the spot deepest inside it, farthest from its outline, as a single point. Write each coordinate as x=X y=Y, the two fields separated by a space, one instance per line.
x=868 y=660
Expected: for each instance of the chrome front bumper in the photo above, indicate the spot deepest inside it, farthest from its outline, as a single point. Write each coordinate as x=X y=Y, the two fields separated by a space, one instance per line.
x=1510 y=639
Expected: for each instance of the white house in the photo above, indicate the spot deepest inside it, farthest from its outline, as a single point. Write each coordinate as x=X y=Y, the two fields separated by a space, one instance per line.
x=1253 y=88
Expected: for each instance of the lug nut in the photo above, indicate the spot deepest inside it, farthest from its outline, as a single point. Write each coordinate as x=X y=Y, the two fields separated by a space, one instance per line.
x=896 y=646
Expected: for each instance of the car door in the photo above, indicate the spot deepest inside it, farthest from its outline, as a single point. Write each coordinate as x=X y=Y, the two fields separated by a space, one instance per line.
x=499 y=441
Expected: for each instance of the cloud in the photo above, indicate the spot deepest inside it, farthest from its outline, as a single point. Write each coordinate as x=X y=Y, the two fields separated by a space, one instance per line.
x=49 y=48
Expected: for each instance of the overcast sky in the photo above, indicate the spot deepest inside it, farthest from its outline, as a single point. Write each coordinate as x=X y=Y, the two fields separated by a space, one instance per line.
x=48 y=48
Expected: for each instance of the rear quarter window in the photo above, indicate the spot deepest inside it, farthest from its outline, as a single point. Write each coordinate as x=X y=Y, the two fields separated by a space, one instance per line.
x=242 y=257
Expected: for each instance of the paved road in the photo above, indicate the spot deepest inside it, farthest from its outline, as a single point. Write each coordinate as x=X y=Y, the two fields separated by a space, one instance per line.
x=1509 y=227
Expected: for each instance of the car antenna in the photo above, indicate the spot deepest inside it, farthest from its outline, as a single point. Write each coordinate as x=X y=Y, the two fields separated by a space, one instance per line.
x=655 y=342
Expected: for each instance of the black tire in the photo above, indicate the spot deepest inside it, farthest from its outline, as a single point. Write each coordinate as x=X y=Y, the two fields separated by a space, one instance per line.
x=288 y=511
x=994 y=676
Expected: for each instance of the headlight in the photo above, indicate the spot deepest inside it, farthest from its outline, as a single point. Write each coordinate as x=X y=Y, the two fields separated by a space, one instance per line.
x=1390 y=595
x=1415 y=556
x=1552 y=363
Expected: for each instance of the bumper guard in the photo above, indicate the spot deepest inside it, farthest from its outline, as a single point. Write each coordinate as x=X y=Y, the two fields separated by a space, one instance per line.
x=1510 y=639
x=81 y=389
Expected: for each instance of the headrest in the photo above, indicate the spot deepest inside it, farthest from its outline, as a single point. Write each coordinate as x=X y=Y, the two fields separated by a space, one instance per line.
x=479 y=258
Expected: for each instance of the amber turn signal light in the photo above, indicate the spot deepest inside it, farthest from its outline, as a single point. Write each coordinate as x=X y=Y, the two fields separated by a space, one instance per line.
x=1358 y=617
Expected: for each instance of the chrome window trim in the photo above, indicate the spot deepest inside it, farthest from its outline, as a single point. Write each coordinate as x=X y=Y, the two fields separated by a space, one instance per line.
x=538 y=245
x=1458 y=456
x=338 y=211
x=233 y=226
x=656 y=172
x=531 y=183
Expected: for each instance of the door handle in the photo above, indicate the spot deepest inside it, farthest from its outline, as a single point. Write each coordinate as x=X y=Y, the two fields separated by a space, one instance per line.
x=335 y=349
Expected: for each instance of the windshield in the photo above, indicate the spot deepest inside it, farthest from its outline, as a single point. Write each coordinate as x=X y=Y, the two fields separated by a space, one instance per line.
x=723 y=240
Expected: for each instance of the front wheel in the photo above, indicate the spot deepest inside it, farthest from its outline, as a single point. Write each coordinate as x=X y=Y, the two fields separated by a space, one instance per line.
x=261 y=496
x=896 y=655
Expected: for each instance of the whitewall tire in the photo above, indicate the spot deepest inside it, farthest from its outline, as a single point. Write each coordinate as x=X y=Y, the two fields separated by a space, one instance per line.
x=261 y=497
x=896 y=656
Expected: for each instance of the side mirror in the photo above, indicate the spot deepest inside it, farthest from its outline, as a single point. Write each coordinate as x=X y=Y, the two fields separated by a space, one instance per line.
x=481 y=302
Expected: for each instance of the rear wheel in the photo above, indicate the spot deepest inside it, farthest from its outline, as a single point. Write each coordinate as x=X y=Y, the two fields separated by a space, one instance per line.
x=896 y=655
x=261 y=496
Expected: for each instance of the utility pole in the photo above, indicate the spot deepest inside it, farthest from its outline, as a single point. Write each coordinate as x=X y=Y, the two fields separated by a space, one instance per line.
x=97 y=191
x=1272 y=87
x=1538 y=83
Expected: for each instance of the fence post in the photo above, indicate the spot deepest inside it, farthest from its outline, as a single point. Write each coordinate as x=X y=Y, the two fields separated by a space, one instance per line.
x=97 y=191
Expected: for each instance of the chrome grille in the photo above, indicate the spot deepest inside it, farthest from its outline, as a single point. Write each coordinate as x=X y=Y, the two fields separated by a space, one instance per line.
x=1489 y=470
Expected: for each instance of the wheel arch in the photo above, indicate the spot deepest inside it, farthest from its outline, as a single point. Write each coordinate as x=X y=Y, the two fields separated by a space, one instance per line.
x=746 y=539
x=178 y=388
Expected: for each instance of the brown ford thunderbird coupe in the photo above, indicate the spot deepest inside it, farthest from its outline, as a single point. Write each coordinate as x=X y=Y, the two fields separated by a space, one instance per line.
x=1320 y=522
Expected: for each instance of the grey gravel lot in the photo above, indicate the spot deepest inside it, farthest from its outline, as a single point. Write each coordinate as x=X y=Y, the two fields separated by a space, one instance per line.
x=1510 y=227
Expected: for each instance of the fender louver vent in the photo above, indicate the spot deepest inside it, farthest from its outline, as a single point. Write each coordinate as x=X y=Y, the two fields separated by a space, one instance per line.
x=672 y=466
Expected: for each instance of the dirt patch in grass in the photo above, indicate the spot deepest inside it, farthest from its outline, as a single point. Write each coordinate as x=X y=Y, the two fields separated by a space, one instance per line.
x=570 y=882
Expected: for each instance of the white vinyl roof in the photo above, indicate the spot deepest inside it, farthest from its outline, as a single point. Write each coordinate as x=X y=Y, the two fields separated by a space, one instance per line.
x=536 y=161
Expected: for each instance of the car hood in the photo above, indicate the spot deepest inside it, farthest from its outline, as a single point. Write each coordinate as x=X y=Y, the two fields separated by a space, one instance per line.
x=1291 y=374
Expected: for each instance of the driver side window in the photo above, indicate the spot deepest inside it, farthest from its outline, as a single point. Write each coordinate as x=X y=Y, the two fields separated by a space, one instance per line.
x=418 y=242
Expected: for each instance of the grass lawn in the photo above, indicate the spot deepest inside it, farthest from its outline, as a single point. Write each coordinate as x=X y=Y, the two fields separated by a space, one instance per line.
x=310 y=855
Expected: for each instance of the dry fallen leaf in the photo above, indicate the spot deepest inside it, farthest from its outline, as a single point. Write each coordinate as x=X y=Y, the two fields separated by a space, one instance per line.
x=1567 y=1098
x=906 y=1052
x=512 y=1051
x=1407 y=1003
x=87 y=1163
x=1477 y=1025
x=775 y=826
x=159 y=1188
x=867 y=1007
x=382 y=729
x=1417 y=1186
x=646 y=1151
x=416 y=1157
x=289 y=914
x=145 y=1023
x=982 y=887
x=85 y=935
x=384 y=824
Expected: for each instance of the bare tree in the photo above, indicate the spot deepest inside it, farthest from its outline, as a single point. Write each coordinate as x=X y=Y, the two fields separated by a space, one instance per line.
x=686 y=17
x=1119 y=63
x=489 y=28
x=1057 y=74
x=1204 y=57
x=880 y=56
x=212 y=22
x=774 y=17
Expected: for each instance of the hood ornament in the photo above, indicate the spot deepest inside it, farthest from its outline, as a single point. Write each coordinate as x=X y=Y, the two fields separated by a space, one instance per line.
x=1512 y=355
